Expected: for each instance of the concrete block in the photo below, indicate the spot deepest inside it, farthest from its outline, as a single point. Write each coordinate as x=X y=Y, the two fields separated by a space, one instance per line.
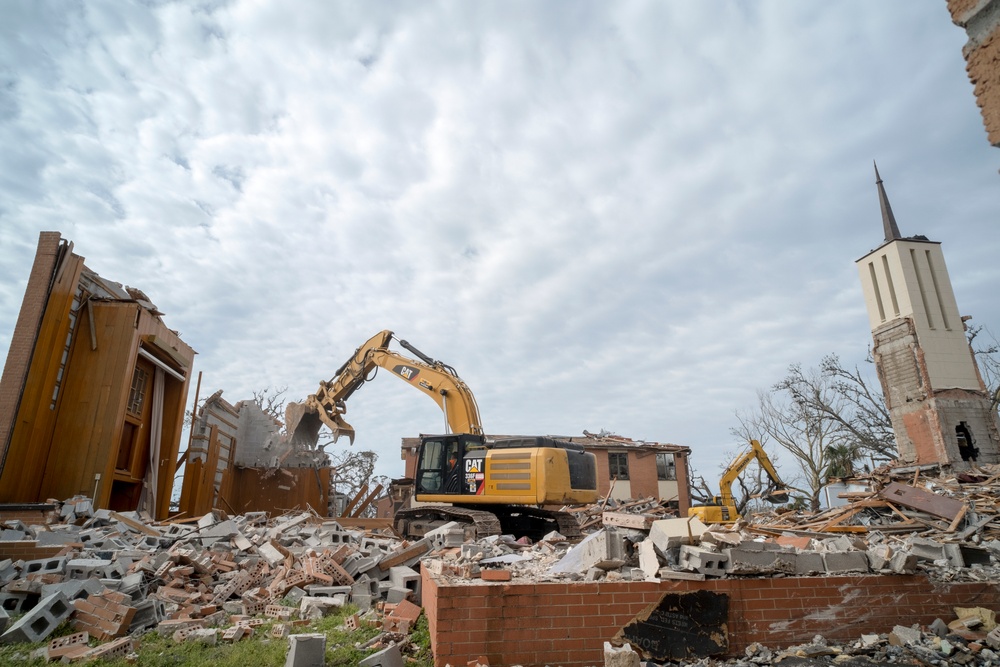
x=809 y=562
x=39 y=623
x=671 y=533
x=606 y=550
x=406 y=577
x=51 y=538
x=879 y=556
x=649 y=562
x=8 y=571
x=839 y=543
x=397 y=594
x=904 y=636
x=306 y=650
x=745 y=561
x=451 y=534
x=148 y=614
x=697 y=559
x=44 y=566
x=85 y=568
x=12 y=535
x=903 y=563
x=623 y=656
x=925 y=549
x=74 y=589
x=953 y=553
x=18 y=603
x=387 y=657
x=971 y=555
x=314 y=608
x=841 y=562
x=4 y=620
x=316 y=590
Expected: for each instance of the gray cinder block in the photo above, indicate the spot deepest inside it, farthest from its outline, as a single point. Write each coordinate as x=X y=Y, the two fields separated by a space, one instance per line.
x=387 y=657
x=39 y=623
x=306 y=650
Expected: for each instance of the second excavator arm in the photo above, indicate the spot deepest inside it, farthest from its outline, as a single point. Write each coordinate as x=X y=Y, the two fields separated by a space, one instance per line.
x=778 y=493
x=432 y=377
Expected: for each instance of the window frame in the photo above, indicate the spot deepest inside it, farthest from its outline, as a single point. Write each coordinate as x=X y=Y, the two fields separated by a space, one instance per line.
x=619 y=465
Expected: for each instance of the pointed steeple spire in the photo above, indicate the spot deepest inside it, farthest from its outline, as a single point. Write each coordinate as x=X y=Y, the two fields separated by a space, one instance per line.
x=888 y=221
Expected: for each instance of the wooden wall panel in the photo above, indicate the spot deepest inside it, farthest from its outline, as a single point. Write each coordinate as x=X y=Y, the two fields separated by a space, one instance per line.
x=27 y=454
x=92 y=406
x=252 y=492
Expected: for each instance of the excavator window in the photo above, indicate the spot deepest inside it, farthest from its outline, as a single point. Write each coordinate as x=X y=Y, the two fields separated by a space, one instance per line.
x=431 y=466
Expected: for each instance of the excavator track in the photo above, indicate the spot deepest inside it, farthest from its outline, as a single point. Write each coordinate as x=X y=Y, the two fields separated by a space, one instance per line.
x=485 y=523
x=513 y=520
x=535 y=522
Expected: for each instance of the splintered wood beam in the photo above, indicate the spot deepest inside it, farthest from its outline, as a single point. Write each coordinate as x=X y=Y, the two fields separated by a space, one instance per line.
x=958 y=519
x=368 y=501
x=350 y=506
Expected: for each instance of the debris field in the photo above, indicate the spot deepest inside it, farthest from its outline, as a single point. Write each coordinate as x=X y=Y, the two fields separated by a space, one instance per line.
x=117 y=576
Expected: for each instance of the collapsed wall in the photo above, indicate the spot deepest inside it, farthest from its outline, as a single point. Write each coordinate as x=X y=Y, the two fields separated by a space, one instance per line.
x=239 y=461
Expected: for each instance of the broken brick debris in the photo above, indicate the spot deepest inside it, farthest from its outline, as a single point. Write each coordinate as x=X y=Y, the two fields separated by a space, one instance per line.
x=118 y=574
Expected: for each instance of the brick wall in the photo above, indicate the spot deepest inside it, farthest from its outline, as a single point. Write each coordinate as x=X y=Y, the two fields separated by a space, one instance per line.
x=567 y=624
x=28 y=550
x=22 y=342
x=981 y=21
x=30 y=517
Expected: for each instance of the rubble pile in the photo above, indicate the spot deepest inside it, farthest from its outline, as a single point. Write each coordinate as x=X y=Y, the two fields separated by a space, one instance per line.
x=119 y=575
x=971 y=639
x=952 y=508
x=636 y=548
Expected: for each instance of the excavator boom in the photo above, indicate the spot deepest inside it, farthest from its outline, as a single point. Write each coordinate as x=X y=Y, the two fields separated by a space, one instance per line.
x=434 y=378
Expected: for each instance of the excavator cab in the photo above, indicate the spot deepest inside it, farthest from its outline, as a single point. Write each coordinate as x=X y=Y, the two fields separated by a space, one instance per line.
x=452 y=464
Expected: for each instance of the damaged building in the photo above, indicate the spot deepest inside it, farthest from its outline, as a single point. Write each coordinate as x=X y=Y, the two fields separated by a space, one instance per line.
x=93 y=391
x=238 y=461
x=940 y=409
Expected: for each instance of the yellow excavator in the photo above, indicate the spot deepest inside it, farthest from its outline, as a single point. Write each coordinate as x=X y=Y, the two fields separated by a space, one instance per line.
x=491 y=486
x=722 y=509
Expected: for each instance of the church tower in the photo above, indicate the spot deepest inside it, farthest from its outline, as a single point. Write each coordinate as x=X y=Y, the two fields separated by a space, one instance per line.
x=937 y=401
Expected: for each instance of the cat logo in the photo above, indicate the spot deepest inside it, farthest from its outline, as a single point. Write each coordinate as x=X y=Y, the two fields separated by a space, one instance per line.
x=406 y=372
x=472 y=466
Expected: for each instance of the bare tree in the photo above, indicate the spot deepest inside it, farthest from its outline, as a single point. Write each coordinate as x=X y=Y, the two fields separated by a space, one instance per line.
x=353 y=470
x=793 y=417
x=986 y=349
x=846 y=397
x=271 y=401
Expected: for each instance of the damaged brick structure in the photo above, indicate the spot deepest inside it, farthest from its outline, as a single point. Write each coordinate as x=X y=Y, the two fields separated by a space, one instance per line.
x=239 y=462
x=940 y=410
x=981 y=21
x=93 y=391
x=567 y=624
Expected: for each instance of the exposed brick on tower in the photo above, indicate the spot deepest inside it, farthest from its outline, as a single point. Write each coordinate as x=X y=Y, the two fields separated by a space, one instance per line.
x=981 y=21
x=937 y=401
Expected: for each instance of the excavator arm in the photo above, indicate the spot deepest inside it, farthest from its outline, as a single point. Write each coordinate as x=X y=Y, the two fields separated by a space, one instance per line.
x=434 y=378
x=778 y=493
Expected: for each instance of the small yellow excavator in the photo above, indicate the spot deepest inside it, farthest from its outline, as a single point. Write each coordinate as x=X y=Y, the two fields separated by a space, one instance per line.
x=722 y=509
x=492 y=486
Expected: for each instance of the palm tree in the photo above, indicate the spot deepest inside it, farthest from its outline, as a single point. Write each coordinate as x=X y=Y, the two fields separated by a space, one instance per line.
x=840 y=460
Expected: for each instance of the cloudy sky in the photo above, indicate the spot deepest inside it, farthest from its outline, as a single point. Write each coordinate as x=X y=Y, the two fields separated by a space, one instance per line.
x=605 y=215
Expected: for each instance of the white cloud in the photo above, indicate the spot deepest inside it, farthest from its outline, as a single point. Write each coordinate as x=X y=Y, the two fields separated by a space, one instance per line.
x=605 y=215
